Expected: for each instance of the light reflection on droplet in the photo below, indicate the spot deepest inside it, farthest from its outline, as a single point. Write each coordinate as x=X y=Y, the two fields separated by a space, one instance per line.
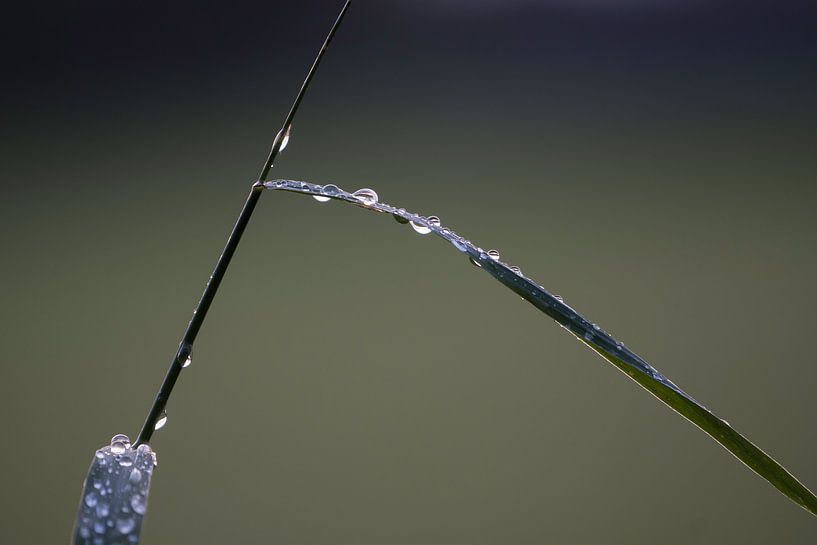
x=493 y=254
x=420 y=228
x=285 y=139
x=366 y=195
x=161 y=422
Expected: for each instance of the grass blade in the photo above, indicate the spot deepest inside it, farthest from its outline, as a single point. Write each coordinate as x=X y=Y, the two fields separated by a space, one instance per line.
x=586 y=331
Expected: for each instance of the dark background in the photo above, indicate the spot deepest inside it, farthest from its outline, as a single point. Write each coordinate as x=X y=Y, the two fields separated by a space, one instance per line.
x=652 y=161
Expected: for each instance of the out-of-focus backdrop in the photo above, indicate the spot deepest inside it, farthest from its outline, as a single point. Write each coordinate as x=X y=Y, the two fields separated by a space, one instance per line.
x=652 y=161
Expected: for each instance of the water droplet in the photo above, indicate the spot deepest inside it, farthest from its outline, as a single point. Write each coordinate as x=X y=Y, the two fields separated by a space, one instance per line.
x=596 y=327
x=474 y=262
x=493 y=254
x=558 y=297
x=143 y=448
x=420 y=228
x=137 y=503
x=459 y=245
x=328 y=189
x=161 y=422
x=187 y=361
x=135 y=476
x=120 y=438
x=399 y=219
x=434 y=221
x=516 y=269
x=125 y=525
x=102 y=509
x=119 y=443
x=285 y=139
x=124 y=461
x=91 y=499
x=366 y=195
x=99 y=527
x=100 y=454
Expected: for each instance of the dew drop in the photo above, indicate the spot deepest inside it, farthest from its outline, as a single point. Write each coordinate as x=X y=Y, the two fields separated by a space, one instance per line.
x=137 y=503
x=91 y=499
x=120 y=438
x=493 y=254
x=330 y=189
x=102 y=509
x=399 y=219
x=125 y=525
x=366 y=195
x=187 y=361
x=516 y=269
x=120 y=443
x=161 y=422
x=558 y=297
x=434 y=221
x=285 y=139
x=474 y=262
x=125 y=461
x=135 y=476
x=420 y=228
x=321 y=198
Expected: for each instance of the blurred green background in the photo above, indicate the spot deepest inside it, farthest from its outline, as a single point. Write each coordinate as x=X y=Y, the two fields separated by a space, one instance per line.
x=652 y=161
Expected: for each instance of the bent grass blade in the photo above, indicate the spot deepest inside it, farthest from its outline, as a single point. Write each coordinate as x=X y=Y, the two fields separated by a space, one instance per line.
x=589 y=333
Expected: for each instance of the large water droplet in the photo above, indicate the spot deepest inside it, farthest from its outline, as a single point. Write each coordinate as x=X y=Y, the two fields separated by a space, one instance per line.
x=125 y=525
x=420 y=228
x=434 y=221
x=366 y=195
x=120 y=443
x=285 y=139
x=474 y=262
x=493 y=254
x=161 y=422
x=187 y=361
x=328 y=191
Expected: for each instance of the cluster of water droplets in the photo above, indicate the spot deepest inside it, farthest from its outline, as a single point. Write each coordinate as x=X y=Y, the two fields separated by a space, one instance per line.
x=369 y=198
x=490 y=260
x=114 y=499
